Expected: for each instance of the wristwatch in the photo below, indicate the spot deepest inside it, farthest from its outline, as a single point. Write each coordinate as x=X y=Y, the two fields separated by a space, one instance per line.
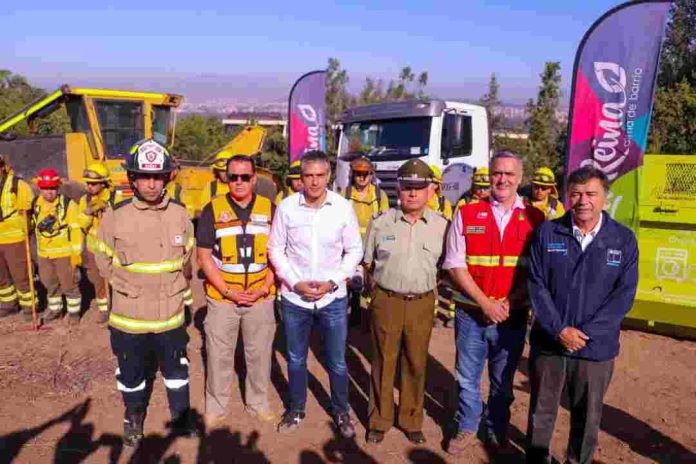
x=334 y=286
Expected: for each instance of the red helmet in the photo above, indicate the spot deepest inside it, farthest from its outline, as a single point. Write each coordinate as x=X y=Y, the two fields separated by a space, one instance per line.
x=48 y=178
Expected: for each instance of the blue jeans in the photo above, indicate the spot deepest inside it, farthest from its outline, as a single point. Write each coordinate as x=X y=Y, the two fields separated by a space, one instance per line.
x=333 y=323
x=503 y=346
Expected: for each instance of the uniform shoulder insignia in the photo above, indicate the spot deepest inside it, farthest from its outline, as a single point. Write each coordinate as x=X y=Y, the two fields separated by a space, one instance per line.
x=123 y=203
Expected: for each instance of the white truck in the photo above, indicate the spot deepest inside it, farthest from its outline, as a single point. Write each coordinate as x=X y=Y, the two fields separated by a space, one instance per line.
x=450 y=135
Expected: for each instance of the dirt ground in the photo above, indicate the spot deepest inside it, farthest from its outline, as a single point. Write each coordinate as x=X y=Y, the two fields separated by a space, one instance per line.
x=59 y=404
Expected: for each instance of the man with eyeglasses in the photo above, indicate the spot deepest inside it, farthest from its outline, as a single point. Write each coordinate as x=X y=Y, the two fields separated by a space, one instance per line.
x=231 y=247
x=545 y=194
x=485 y=252
x=314 y=247
x=402 y=251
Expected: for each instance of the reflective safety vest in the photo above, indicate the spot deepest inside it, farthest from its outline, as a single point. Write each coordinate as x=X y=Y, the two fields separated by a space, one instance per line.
x=240 y=250
x=374 y=203
x=57 y=232
x=90 y=223
x=15 y=194
x=496 y=265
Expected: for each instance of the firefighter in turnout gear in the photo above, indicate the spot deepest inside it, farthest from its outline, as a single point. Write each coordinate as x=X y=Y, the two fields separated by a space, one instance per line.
x=143 y=246
x=293 y=181
x=369 y=201
x=100 y=195
x=545 y=194
x=218 y=186
x=439 y=202
x=480 y=188
x=15 y=201
x=58 y=246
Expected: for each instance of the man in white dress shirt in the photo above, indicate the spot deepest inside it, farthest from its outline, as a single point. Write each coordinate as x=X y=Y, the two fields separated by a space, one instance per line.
x=315 y=246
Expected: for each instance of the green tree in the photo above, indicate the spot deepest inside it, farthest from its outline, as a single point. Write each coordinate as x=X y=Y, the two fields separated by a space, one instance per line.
x=673 y=128
x=198 y=137
x=491 y=102
x=337 y=99
x=544 y=128
x=15 y=93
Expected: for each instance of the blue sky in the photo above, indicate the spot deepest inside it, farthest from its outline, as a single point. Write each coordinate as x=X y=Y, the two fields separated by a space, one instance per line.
x=259 y=47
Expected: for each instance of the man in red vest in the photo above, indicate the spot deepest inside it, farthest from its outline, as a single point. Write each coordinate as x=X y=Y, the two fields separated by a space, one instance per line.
x=485 y=252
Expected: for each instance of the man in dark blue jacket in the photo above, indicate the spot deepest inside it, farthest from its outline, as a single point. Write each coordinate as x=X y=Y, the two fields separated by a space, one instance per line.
x=583 y=278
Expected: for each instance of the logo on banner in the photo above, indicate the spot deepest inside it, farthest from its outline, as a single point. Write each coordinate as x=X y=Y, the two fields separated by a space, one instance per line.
x=311 y=118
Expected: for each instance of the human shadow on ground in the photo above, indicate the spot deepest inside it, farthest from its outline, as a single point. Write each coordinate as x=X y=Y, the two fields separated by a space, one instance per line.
x=641 y=437
x=75 y=446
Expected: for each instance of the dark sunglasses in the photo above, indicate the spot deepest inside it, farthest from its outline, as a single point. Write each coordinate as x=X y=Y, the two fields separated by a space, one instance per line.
x=242 y=177
x=361 y=174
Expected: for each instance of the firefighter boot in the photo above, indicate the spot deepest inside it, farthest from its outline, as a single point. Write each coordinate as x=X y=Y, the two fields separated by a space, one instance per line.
x=133 y=428
x=184 y=425
x=74 y=318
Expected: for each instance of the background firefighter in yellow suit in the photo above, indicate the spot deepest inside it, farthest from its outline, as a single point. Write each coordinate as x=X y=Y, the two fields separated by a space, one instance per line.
x=545 y=193
x=369 y=201
x=15 y=201
x=175 y=192
x=217 y=186
x=100 y=195
x=58 y=245
x=480 y=188
x=293 y=182
x=439 y=202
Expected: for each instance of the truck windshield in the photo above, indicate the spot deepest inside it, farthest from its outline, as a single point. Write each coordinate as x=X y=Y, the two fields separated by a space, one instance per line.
x=121 y=124
x=389 y=138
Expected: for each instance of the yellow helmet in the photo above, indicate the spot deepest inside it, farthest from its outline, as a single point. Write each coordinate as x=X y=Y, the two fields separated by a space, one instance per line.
x=295 y=170
x=221 y=158
x=544 y=176
x=482 y=177
x=96 y=173
x=437 y=174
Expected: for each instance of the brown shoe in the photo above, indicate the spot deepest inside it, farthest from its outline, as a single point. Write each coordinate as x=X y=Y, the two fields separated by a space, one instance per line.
x=375 y=436
x=416 y=437
x=460 y=442
x=102 y=317
x=263 y=416
x=213 y=421
x=49 y=316
x=74 y=318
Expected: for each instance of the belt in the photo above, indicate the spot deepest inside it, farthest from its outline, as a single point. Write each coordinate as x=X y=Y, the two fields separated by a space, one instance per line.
x=406 y=296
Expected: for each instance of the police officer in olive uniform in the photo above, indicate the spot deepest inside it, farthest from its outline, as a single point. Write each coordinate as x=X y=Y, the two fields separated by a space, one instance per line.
x=402 y=251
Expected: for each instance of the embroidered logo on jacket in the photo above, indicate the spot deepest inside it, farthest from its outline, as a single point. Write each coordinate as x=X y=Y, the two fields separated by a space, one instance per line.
x=613 y=257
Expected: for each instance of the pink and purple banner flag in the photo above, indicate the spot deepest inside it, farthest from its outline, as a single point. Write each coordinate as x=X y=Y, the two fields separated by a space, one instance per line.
x=307 y=115
x=612 y=96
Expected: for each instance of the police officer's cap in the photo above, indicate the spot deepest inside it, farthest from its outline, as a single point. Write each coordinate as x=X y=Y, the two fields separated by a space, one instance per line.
x=414 y=173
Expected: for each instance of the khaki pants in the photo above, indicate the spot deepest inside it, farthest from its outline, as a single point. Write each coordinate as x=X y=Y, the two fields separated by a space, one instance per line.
x=14 y=276
x=222 y=325
x=399 y=329
x=101 y=300
x=60 y=278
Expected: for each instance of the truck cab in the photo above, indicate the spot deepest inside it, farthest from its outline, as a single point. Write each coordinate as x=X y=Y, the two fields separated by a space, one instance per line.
x=450 y=135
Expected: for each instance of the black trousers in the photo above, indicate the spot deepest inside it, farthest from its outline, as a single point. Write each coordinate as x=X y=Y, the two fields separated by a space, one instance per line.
x=586 y=383
x=139 y=357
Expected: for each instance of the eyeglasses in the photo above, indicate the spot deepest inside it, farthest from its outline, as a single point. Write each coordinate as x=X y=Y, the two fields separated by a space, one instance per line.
x=242 y=177
x=361 y=174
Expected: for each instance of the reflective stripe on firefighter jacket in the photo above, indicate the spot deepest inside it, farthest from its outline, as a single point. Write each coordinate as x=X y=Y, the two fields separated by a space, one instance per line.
x=498 y=268
x=371 y=205
x=142 y=250
x=441 y=205
x=240 y=250
x=15 y=196
x=57 y=233
x=551 y=206
x=89 y=223
x=214 y=188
